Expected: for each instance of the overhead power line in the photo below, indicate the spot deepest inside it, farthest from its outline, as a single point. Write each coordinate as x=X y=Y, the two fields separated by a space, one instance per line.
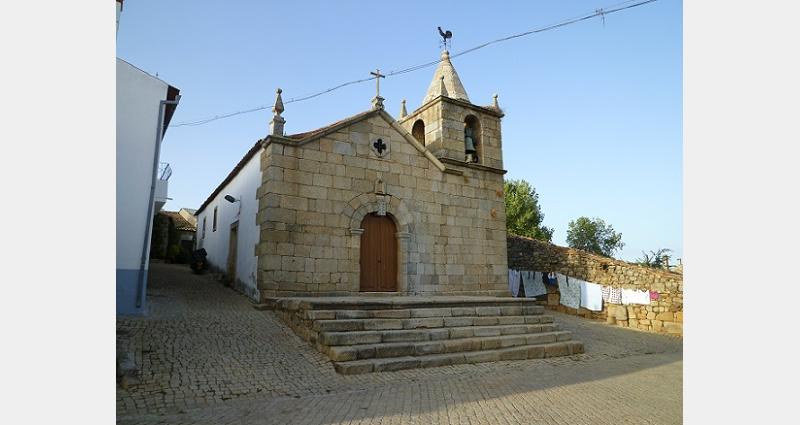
x=602 y=12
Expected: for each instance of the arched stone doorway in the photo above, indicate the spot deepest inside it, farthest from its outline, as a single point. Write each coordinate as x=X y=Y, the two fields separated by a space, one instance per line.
x=378 y=259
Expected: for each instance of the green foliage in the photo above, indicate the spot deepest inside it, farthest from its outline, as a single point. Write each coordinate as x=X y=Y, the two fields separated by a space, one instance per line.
x=523 y=214
x=656 y=259
x=594 y=235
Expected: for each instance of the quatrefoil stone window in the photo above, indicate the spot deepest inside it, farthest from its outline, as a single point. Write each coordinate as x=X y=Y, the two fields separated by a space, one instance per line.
x=380 y=146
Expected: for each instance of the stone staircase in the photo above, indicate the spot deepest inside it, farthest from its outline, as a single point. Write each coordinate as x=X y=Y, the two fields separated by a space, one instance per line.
x=369 y=334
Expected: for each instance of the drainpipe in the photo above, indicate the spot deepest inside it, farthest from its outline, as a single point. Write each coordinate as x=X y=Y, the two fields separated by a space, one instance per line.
x=140 y=288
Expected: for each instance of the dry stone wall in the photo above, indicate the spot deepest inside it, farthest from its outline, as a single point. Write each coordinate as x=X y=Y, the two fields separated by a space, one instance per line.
x=664 y=315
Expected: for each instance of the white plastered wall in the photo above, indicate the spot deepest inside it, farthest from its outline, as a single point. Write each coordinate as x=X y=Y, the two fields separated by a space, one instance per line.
x=138 y=101
x=138 y=97
x=243 y=187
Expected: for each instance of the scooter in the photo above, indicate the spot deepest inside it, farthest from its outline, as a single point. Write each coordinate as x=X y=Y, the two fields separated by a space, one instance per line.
x=199 y=263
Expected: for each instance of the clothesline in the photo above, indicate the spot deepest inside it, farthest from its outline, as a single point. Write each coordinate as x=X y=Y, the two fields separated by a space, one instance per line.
x=574 y=292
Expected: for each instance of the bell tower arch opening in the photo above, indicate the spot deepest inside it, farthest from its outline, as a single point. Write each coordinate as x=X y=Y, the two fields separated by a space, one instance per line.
x=453 y=128
x=473 y=148
x=418 y=131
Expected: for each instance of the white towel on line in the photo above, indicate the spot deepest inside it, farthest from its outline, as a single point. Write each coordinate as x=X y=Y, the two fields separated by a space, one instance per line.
x=591 y=296
x=634 y=296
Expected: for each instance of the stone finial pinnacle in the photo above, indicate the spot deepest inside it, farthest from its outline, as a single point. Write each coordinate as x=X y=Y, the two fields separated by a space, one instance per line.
x=442 y=87
x=403 y=112
x=276 y=125
x=495 y=104
x=278 y=108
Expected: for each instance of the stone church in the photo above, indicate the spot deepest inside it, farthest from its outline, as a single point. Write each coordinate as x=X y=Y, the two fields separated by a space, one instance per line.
x=368 y=204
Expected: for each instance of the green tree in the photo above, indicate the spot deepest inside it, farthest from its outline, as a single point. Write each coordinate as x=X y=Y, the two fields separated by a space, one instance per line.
x=523 y=214
x=656 y=259
x=593 y=235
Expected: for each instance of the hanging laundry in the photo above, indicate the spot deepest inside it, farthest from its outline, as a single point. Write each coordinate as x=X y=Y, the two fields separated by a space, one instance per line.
x=570 y=291
x=591 y=296
x=654 y=296
x=634 y=296
x=532 y=282
x=612 y=295
x=513 y=282
x=552 y=279
x=615 y=297
x=523 y=290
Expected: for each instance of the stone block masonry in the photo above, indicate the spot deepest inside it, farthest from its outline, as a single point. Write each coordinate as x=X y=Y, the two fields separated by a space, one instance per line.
x=664 y=315
x=450 y=219
x=351 y=332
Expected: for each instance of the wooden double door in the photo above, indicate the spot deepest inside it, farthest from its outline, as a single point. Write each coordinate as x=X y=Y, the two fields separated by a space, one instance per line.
x=378 y=254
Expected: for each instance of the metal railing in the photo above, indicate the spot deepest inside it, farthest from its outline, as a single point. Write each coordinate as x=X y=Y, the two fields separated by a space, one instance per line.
x=164 y=171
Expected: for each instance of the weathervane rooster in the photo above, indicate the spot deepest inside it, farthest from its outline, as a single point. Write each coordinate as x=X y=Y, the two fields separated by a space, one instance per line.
x=445 y=35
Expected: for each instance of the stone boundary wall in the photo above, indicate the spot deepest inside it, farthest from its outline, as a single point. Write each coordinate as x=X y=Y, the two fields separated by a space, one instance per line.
x=664 y=315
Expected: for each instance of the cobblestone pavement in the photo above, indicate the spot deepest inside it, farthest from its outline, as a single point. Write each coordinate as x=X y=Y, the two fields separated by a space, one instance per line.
x=206 y=356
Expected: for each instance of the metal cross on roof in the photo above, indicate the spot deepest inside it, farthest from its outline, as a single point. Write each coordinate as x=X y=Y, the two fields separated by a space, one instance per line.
x=378 y=77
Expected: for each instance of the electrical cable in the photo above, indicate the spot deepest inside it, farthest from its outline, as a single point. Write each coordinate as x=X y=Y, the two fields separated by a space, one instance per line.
x=598 y=12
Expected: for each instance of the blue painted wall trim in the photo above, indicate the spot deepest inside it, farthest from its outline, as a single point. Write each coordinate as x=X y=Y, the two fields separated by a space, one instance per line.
x=126 y=293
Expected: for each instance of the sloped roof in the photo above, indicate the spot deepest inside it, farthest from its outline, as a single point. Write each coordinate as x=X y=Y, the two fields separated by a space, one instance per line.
x=178 y=221
x=257 y=147
x=242 y=162
x=322 y=130
x=452 y=84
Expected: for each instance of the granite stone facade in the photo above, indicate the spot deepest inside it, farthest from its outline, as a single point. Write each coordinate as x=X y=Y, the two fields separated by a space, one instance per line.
x=317 y=188
x=446 y=230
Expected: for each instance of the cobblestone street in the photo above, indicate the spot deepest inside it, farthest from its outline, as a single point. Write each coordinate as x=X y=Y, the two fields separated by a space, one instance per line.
x=206 y=356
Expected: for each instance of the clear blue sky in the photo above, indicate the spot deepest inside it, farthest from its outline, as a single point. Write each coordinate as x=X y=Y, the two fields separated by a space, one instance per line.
x=593 y=112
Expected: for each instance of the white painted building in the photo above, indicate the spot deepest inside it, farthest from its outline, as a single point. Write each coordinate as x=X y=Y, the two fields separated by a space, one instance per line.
x=218 y=220
x=145 y=106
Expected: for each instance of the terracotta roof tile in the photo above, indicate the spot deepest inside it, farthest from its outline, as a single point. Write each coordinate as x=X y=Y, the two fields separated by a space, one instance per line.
x=178 y=221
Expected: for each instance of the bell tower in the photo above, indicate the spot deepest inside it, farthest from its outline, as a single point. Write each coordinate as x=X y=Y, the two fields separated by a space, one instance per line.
x=451 y=126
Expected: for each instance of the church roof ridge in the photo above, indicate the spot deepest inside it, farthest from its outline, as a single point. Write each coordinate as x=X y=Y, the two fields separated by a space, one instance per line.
x=308 y=135
x=242 y=162
x=330 y=127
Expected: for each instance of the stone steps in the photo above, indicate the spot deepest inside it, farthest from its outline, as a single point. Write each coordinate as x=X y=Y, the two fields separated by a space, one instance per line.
x=341 y=325
x=410 y=313
x=422 y=348
x=417 y=335
x=521 y=352
x=394 y=303
x=373 y=334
